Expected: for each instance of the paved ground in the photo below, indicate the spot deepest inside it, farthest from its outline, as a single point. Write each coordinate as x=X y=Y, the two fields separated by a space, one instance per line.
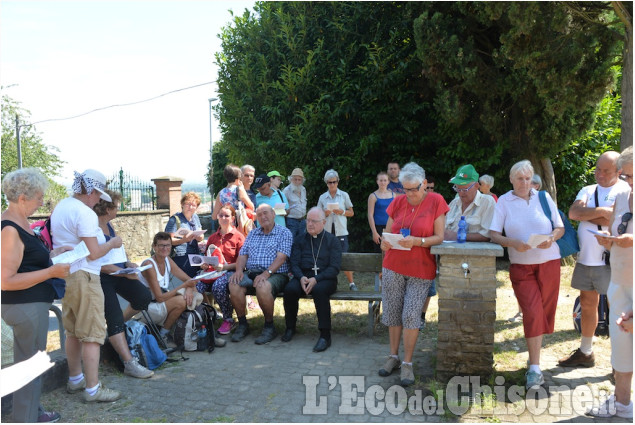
x=287 y=382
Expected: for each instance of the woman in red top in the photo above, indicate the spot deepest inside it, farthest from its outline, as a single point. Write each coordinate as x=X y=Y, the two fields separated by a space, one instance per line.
x=229 y=240
x=410 y=268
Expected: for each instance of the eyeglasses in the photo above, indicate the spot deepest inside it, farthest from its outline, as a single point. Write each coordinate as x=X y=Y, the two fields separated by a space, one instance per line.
x=412 y=189
x=430 y=188
x=621 y=229
x=626 y=177
x=332 y=182
x=164 y=245
x=457 y=190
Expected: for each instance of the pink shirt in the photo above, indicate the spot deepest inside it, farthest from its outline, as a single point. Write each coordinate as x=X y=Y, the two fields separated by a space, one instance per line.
x=418 y=262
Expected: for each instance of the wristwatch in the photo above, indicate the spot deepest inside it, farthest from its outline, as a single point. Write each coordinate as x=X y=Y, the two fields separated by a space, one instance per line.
x=270 y=272
x=423 y=241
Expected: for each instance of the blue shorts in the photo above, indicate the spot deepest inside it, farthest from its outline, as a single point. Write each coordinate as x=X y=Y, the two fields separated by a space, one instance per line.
x=433 y=288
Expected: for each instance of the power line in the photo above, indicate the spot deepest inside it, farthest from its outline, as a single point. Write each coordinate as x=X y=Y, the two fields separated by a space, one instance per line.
x=118 y=105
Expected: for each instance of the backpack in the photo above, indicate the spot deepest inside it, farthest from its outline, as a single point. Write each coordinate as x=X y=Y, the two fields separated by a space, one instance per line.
x=42 y=229
x=603 y=316
x=190 y=323
x=144 y=346
x=568 y=243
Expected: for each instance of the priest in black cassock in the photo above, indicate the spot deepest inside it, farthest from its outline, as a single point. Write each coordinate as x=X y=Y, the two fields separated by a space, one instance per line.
x=316 y=258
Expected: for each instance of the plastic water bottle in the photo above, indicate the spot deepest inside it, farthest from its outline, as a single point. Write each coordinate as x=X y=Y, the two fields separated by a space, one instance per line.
x=202 y=333
x=461 y=235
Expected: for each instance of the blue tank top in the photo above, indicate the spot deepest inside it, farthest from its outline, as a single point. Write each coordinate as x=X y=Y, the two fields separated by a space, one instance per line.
x=380 y=215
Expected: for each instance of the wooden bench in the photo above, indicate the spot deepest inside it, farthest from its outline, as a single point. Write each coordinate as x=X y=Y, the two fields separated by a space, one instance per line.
x=365 y=263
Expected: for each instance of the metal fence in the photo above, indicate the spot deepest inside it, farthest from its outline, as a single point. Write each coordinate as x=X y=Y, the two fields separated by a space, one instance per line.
x=137 y=195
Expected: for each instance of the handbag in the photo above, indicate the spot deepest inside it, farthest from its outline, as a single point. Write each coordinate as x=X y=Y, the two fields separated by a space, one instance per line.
x=568 y=243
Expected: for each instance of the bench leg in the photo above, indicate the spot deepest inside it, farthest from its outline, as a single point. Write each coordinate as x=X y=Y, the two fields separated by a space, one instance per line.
x=371 y=319
x=58 y=313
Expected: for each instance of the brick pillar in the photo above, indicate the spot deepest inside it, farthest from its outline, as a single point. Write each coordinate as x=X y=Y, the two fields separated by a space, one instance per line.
x=169 y=193
x=467 y=308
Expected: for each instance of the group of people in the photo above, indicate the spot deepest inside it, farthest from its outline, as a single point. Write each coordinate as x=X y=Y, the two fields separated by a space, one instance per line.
x=297 y=252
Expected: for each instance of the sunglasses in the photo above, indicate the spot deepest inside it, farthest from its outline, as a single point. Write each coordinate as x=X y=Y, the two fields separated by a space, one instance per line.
x=457 y=190
x=332 y=182
x=621 y=229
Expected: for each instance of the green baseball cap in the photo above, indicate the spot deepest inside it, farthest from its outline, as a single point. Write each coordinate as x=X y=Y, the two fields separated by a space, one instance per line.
x=274 y=173
x=464 y=175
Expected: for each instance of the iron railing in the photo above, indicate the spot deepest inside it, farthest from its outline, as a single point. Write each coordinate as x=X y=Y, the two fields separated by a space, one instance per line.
x=137 y=195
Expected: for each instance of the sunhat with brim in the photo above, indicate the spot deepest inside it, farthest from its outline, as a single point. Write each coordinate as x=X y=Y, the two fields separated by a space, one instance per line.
x=465 y=175
x=274 y=173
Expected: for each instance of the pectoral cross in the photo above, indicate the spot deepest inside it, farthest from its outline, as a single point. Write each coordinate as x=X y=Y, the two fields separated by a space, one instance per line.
x=315 y=269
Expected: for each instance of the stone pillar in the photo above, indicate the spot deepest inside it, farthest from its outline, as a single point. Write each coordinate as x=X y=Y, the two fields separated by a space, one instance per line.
x=169 y=193
x=467 y=308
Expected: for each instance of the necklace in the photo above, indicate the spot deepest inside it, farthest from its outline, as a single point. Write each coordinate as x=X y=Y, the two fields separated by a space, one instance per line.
x=315 y=268
x=414 y=215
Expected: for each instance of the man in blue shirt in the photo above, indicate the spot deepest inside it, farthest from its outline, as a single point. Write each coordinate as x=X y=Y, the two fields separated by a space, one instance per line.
x=393 y=175
x=262 y=269
x=269 y=196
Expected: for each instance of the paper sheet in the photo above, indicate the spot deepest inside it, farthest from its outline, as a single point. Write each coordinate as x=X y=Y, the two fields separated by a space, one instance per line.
x=131 y=270
x=595 y=232
x=280 y=208
x=332 y=206
x=18 y=375
x=198 y=260
x=210 y=275
x=536 y=239
x=393 y=239
x=76 y=257
x=114 y=256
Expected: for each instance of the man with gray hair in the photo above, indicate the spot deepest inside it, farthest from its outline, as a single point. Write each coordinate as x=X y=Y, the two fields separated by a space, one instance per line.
x=315 y=262
x=593 y=208
x=296 y=195
x=261 y=269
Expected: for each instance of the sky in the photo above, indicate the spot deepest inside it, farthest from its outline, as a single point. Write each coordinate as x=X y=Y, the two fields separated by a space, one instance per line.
x=65 y=58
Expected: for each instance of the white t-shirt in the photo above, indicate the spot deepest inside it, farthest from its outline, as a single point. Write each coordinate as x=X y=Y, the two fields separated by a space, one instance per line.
x=72 y=220
x=521 y=218
x=590 y=250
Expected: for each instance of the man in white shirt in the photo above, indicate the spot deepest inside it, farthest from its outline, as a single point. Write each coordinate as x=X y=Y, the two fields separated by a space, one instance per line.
x=296 y=195
x=593 y=208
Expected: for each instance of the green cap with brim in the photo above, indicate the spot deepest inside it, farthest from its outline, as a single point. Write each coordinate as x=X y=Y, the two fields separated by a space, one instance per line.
x=465 y=175
x=274 y=173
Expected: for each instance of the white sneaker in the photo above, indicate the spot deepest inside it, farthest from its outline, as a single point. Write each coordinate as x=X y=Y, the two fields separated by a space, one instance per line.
x=611 y=408
x=134 y=369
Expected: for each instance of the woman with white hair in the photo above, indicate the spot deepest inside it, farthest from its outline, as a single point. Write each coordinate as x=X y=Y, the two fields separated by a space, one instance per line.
x=408 y=274
x=534 y=271
x=337 y=206
x=620 y=295
x=29 y=284
x=486 y=183
x=536 y=182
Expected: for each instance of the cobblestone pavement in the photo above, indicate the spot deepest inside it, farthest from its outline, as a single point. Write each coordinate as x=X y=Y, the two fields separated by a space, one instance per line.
x=243 y=382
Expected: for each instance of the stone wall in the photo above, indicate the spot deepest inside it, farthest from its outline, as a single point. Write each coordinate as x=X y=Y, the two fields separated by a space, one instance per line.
x=467 y=308
x=137 y=229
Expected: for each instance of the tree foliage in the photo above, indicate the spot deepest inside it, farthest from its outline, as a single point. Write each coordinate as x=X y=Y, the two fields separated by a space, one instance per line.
x=354 y=85
x=523 y=77
x=35 y=153
x=575 y=166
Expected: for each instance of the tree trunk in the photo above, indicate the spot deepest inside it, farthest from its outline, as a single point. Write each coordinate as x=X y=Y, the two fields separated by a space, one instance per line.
x=549 y=179
x=544 y=168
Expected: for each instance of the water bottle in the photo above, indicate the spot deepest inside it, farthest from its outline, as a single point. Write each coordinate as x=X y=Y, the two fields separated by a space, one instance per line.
x=461 y=235
x=202 y=333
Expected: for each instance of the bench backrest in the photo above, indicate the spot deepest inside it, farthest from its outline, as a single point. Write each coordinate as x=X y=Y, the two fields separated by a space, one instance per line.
x=361 y=262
